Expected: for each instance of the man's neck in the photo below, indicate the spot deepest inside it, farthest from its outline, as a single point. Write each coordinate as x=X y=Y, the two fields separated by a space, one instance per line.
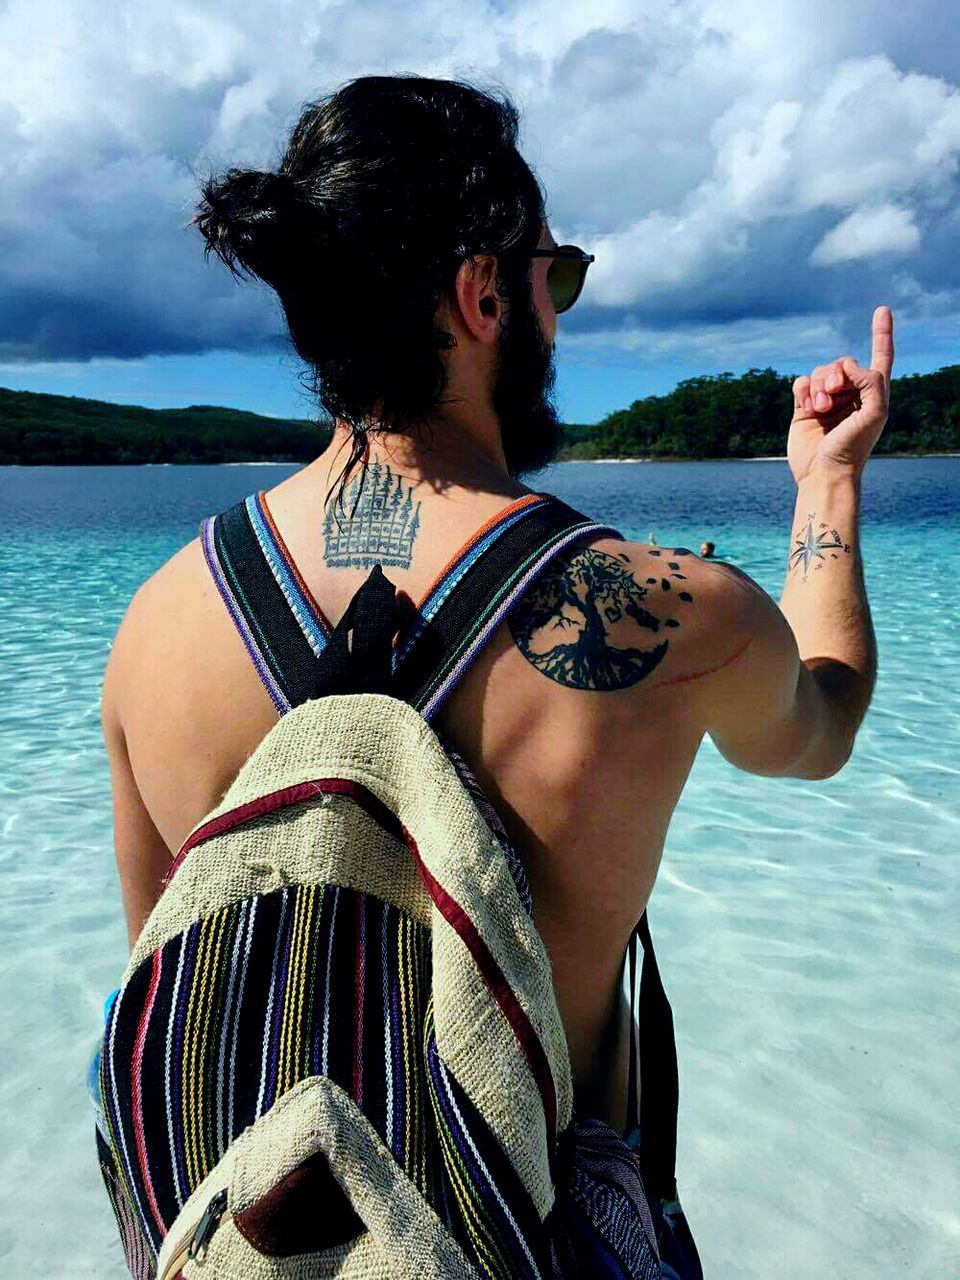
x=442 y=453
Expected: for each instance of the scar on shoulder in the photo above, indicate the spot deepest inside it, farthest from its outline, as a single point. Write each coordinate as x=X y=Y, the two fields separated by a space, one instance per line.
x=707 y=671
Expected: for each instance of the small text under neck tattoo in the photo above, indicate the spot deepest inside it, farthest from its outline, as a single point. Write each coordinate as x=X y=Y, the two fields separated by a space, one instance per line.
x=377 y=524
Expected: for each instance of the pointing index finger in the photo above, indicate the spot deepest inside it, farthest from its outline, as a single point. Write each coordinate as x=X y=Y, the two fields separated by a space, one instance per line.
x=881 y=358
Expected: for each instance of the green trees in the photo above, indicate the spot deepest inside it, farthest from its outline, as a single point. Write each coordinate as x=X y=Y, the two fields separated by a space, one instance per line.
x=721 y=416
x=748 y=417
x=41 y=429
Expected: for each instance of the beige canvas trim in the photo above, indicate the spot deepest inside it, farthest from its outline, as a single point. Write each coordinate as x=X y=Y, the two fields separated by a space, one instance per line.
x=405 y=1238
x=330 y=839
x=478 y=1046
x=387 y=747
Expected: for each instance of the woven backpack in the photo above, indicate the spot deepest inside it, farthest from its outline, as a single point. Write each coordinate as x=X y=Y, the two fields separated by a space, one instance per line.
x=336 y=1049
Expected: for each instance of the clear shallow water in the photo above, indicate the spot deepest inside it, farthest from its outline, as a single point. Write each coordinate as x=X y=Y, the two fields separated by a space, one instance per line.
x=807 y=932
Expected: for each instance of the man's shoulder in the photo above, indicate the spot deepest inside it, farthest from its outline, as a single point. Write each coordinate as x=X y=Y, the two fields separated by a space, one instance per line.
x=181 y=580
x=673 y=582
x=612 y=613
x=159 y=628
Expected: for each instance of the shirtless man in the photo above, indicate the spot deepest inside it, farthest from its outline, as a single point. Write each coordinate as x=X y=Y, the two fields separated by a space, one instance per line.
x=584 y=760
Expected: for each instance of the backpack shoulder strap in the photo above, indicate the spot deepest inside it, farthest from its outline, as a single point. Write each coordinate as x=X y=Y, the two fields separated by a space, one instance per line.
x=261 y=612
x=659 y=1077
x=431 y=657
x=437 y=653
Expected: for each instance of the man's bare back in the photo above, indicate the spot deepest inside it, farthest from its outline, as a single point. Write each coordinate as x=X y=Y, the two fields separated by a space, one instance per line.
x=584 y=760
x=428 y=326
x=583 y=715
x=585 y=779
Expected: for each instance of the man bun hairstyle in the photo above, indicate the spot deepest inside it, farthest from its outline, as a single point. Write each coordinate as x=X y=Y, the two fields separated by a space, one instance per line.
x=385 y=187
x=240 y=217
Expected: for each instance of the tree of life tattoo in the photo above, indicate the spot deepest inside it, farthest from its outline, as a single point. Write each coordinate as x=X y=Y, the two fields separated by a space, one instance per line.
x=382 y=524
x=583 y=622
x=814 y=544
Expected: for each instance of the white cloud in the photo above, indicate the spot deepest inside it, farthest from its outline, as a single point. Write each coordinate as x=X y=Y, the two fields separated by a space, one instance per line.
x=185 y=46
x=755 y=165
x=884 y=228
x=732 y=343
x=705 y=150
x=877 y=131
x=662 y=252
x=869 y=129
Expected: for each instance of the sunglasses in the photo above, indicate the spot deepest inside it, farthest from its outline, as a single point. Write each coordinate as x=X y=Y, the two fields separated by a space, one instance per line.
x=566 y=273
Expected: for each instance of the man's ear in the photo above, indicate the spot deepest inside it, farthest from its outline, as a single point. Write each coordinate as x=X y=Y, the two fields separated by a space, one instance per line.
x=475 y=299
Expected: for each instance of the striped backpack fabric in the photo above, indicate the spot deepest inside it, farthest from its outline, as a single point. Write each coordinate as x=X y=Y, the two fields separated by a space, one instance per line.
x=336 y=1049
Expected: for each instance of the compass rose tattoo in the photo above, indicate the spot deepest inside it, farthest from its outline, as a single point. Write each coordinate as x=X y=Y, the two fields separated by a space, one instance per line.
x=814 y=545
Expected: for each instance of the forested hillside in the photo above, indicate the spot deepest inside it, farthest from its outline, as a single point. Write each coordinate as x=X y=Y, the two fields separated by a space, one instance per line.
x=746 y=417
x=707 y=417
x=37 y=428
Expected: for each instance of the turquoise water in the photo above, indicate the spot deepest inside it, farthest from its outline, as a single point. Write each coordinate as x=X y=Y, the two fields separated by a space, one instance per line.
x=807 y=932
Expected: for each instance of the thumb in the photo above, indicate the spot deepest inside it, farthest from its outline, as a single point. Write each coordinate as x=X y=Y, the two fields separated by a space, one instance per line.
x=870 y=383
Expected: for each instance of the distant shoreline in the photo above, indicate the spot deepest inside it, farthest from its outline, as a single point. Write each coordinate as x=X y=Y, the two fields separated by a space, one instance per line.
x=713 y=418
x=726 y=418
x=759 y=458
x=291 y=462
x=772 y=457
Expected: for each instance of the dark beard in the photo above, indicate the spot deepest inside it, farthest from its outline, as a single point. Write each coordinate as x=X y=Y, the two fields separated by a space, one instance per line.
x=523 y=393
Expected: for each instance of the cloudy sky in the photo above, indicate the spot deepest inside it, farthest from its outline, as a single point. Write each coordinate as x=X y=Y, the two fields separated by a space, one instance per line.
x=753 y=179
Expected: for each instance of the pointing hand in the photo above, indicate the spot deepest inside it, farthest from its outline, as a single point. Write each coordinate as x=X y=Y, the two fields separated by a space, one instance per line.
x=840 y=409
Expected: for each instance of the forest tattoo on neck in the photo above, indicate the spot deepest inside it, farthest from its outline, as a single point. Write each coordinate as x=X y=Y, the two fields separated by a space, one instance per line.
x=813 y=544
x=378 y=524
x=581 y=621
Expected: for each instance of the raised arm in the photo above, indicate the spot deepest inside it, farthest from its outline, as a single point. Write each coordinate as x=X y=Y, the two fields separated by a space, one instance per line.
x=792 y=702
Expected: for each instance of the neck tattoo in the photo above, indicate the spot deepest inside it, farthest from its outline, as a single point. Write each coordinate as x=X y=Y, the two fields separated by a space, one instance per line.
x=378 y=523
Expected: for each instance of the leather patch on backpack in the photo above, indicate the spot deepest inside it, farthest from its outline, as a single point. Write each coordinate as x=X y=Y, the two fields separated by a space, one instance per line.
x=305 y=1212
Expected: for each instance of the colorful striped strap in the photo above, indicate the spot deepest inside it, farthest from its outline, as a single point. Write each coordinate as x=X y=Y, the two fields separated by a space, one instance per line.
x=441 y=650
x=287 y=635
x=254 y=595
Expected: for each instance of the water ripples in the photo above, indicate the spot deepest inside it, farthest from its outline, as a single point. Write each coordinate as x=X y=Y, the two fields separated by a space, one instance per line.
x=807 y=932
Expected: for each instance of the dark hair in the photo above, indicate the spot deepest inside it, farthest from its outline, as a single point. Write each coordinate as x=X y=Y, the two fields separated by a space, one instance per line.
x=384 y=189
